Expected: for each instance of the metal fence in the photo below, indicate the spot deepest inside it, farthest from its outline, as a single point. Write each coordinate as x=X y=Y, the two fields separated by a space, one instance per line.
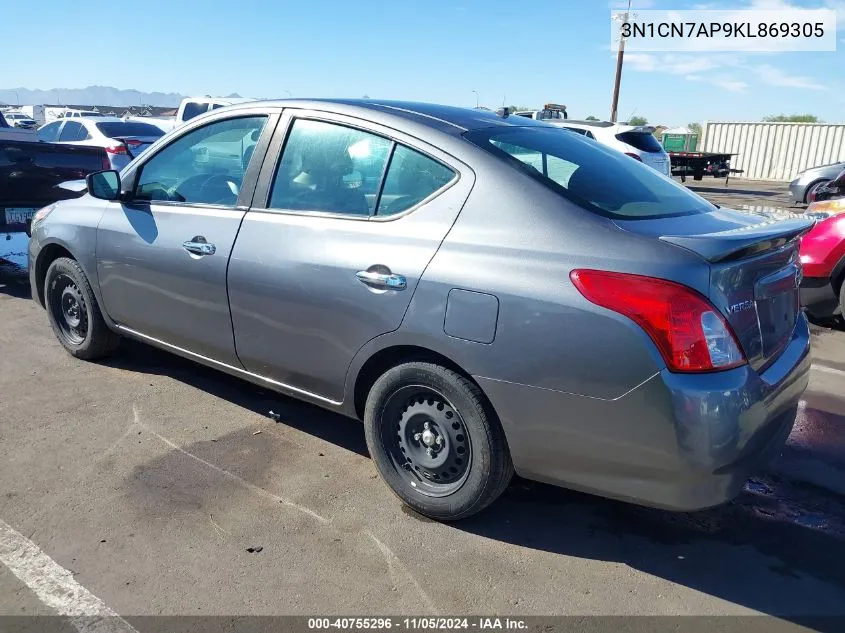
x=775 y=151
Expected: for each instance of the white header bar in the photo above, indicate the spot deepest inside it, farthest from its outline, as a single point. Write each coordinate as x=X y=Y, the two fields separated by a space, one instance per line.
x=739 y=30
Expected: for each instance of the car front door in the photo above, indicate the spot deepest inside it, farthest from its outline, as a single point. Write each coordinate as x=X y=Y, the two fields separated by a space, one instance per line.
x=329 y=256
x=162 y=254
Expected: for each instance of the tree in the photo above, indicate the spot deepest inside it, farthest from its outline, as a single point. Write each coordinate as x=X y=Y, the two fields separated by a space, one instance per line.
x=591 y=118
x=695 y=127
x=637 y=120
x=792 y=118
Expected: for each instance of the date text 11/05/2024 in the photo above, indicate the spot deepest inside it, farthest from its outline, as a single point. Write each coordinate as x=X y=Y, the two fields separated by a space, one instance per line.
x=418 y=624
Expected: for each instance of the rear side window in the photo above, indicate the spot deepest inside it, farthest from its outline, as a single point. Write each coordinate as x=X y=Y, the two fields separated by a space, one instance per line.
x=72 y=131
x=411 y=178
x=594 y=177
x=643 y=141
x=193 y=109
x=49 y=132
x=115 y=129
x=330 y=168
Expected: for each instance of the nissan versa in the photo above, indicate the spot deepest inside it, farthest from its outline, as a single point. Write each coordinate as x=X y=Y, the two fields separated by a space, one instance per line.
x=488 y=293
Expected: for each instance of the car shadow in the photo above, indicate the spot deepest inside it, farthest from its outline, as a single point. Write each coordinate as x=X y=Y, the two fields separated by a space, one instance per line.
x=331 y=427
x=774 y=549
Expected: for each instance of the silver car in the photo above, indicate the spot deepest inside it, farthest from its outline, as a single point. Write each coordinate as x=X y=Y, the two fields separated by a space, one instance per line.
x=486 y=293
x=812 y=179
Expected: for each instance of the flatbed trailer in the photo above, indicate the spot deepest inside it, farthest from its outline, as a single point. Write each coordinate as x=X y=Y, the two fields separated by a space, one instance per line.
x=699 y=164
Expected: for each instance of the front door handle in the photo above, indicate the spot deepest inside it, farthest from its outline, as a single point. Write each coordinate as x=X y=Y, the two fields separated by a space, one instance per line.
x=198 y=246
x=390 y=281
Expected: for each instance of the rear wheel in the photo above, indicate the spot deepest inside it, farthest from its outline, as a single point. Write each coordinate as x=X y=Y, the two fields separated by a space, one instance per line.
x=813 y=188
x=435 y=441
x=74 y=313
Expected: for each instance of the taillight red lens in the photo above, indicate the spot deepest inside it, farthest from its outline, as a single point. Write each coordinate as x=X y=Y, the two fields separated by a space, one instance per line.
x=106 y=163
x=633 y=156
x=116 y=149
x=690 y=333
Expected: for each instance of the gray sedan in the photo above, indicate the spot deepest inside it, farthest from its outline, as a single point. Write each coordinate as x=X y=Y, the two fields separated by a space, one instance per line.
x=812 y=179
x=489 y=294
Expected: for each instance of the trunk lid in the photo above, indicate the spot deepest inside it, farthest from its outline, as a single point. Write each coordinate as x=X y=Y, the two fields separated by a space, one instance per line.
x=754 y=271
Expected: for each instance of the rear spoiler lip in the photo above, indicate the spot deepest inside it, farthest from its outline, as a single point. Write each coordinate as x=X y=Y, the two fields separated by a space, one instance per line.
x=741 y=242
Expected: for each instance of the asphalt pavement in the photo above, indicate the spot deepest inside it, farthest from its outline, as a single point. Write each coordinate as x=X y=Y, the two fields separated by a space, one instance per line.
x=147 y=485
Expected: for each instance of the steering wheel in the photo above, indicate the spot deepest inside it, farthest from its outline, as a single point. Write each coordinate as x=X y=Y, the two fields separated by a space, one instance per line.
x=210 y=188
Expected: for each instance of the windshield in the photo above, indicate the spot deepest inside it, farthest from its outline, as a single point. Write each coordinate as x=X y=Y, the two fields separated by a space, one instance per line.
x=115 y=129
x=592 y=176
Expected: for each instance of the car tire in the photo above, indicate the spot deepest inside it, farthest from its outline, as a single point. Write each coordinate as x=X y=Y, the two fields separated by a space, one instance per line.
x=74 y=313
x=436 y=441
x=813 y=187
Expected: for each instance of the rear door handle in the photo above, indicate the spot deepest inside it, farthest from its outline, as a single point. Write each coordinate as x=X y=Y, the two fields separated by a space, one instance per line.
x=390 y=281
x=198 y=246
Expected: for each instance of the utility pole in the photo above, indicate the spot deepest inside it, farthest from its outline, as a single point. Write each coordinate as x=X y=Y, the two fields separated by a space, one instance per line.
x=476 y=99
x=619 y=56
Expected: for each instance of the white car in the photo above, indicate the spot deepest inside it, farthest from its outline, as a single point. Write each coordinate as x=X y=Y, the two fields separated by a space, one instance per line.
x=122 y=140
x=637 y=141
x=20 y=120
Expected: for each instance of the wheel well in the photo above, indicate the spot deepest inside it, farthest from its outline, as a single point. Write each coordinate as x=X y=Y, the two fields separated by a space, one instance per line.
x=389 y=357
x=813 y=184
x=838 y=277
x=47 y=256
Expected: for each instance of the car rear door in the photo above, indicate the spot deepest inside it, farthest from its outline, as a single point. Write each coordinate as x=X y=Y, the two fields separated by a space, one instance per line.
x=330 y=254
x=162 y=254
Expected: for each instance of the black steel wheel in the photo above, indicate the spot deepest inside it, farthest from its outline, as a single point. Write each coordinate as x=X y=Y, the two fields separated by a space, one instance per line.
x=74 y=313
x=436 y=440
x=429 y=444
x=69 y=310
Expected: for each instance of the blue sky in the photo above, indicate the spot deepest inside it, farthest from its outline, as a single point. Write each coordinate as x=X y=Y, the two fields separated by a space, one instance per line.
x=436 y=51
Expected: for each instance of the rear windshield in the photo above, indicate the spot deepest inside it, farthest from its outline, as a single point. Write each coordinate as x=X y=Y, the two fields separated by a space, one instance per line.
x=591 y=175
x=643 y=141
x=129 y=128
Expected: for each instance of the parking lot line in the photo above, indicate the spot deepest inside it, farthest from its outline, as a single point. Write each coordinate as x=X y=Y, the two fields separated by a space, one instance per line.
x=55 y=587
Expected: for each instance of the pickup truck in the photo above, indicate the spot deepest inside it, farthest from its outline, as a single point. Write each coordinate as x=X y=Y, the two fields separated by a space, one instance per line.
x=189 y=108
x=30 y=173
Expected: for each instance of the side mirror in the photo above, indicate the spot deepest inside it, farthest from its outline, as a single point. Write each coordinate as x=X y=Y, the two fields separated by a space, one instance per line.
x=104 y=185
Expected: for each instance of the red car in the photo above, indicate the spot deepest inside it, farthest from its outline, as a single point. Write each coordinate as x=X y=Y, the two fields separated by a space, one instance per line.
x=823 y=254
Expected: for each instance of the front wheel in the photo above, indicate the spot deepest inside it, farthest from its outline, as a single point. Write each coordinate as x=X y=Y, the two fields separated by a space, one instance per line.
x=435 y=441
x=74 y=313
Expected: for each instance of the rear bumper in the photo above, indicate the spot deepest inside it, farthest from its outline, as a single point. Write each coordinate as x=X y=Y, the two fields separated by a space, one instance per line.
x=677 y=441
x=819 y=298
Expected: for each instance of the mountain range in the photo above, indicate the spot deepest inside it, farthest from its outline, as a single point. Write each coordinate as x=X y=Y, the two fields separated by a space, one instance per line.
x=92 y=95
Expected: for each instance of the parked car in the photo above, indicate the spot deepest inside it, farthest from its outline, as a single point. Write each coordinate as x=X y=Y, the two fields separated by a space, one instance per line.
x=636 y=141
x=20 y=120
x=829 y=190
x=122 y=140
x=823 y=252
x=808 y=181
x=31 y=172
x=9 y=133
x=487 y=294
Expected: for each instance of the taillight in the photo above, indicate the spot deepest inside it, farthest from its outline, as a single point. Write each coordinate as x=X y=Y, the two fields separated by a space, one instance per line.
x=632 y=155
x=116 y=149
x=106 y=163
x=690 y=333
